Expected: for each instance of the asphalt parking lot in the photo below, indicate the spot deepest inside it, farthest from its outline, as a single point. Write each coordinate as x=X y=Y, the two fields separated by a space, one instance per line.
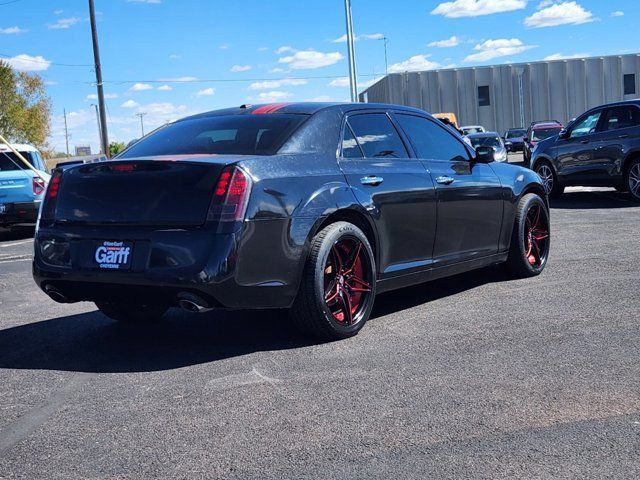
x=476 y=376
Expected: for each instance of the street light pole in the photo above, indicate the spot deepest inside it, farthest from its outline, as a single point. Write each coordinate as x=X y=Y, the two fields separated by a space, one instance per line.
x=353 y=75
x=141 y=114
x=96 y=58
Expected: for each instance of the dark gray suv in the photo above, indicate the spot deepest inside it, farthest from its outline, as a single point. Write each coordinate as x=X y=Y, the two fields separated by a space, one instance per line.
x=599 y=148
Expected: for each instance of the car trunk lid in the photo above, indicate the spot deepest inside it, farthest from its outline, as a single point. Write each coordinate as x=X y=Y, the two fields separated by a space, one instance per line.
x=166 y=191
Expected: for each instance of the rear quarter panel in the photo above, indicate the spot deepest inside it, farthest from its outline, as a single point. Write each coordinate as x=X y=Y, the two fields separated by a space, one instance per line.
x=290 y=197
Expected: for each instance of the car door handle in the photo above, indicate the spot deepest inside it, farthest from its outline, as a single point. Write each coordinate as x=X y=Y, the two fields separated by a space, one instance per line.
x=624 y=135
x=444 y=180
x=371 y=180
x=584 y=142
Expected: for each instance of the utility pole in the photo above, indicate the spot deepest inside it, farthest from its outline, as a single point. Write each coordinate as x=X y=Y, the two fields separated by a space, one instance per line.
x=99 y=127
x=141 y=114
x=353 y=75
x=386 y=62
x=66 y=131
x=96 y=57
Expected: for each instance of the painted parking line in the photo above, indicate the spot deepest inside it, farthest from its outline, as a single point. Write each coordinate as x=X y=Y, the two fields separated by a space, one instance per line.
x=13 y=244
x=16 y=258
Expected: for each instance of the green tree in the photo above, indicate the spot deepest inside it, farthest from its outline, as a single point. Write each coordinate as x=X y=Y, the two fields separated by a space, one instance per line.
x=25 y=108
x=115 y=148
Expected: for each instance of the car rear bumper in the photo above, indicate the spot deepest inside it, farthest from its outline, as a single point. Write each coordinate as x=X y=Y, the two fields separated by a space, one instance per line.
x=166 y=266
x=19 y=212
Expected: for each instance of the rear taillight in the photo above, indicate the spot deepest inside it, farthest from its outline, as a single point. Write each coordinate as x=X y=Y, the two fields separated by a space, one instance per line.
x=39 y=186
x=230 y=196
x=50 y=198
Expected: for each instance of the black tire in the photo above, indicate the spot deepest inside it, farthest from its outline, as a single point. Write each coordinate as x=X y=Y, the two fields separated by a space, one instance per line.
x=132 y=312
x=520 y=262
x=549 y=178
x=632 y=179
x=316 y=310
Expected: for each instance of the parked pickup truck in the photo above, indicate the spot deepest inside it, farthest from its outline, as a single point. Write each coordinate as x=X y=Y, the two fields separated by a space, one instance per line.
x=21 y=189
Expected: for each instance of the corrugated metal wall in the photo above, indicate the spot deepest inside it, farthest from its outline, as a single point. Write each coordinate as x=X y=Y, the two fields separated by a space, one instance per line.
x=558 y=90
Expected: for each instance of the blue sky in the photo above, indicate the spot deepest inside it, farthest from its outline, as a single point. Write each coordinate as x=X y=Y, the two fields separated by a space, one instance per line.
x=260 y=51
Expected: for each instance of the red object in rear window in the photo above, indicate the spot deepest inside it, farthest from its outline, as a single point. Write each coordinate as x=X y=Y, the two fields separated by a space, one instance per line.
x=231 y=196
x=122 y=167
x=39 y=186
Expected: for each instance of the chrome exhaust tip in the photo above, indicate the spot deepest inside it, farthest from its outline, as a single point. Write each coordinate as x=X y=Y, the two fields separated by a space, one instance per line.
x=56 y=296
x=194 y=304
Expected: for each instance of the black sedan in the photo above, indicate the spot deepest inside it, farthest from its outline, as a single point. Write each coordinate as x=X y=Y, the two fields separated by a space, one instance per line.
x=599 y=148
x=313 y=207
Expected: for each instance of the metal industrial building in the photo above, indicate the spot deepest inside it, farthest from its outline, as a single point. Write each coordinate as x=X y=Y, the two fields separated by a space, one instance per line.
x=512 y=95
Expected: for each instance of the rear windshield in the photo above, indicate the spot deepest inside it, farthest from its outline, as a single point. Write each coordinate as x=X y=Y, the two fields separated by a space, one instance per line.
x=516 y=133
x=227 y=134
x=486 y=142
x=10 y=161
x=543 y=133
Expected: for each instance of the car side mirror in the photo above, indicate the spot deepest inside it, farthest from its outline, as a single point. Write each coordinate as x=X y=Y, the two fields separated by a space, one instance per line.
x=564 y=134
x=485 y=154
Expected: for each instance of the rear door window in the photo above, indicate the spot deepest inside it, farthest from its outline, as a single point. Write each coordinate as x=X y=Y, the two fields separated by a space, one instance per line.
x=377 y=136
x=350 y=147
x=430 y=140
x=618 y=118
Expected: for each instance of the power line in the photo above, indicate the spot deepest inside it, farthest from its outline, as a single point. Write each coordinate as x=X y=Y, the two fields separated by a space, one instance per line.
x=12 y=1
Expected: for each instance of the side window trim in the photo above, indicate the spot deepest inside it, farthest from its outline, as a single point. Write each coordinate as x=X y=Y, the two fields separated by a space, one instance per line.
x=345 y=126
x=437 y=124
x=387 y=113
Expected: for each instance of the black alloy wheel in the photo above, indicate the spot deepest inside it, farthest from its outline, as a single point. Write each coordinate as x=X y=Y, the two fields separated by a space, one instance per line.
x=338 y=286
x=531 y=238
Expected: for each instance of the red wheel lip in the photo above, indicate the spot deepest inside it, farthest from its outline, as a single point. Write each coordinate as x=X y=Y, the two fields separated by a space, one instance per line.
x=347 y=290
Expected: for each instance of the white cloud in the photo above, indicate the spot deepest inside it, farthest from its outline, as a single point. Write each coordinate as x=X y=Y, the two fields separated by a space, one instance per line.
x=64 y=23
x=206 y=92
x=284 y=49
x=617 y=13
x=272 y=84
x=107 y=96
x=224 y=46
x=560 y=56
x=321 y=98
x=274 y=96
x=414 y=64
x=501 y=47
x=364 y=36
x=12 y=30
x=130 y=104
x=28 y=63
x=310 y=59
x=475 y=8
x=344 y=82
x=241 y=68
x=175 y=56
x=450 y=42
x=164 y=88
x=179 y=79
x=565 y=13
x=276 y=70
x=263 y=49
x=58 y=12
x=139 y=87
